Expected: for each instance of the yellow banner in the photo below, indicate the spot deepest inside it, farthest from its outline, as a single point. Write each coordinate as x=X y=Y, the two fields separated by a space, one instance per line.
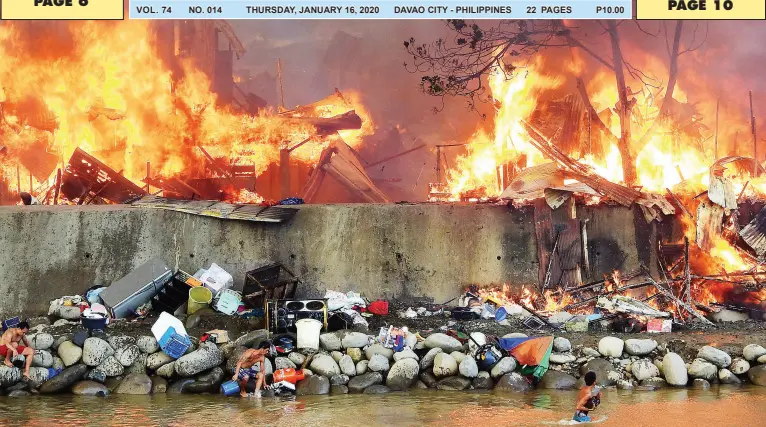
x=62 y=9
x=701 y=9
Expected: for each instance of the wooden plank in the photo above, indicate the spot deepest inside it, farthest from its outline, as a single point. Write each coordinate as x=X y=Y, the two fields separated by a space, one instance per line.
x=709 y=224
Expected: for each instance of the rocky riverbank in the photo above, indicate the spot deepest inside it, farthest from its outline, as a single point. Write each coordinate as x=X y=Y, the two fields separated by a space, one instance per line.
x=351 y=362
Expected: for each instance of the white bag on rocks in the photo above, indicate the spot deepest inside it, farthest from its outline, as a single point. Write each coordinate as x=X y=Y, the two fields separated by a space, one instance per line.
x=216 y=279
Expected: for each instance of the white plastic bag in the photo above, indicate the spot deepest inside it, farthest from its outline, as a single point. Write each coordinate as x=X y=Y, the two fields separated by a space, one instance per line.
x=216 y=279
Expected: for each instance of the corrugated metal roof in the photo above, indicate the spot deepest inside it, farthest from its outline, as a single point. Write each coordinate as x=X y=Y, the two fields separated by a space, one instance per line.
x=257 y=213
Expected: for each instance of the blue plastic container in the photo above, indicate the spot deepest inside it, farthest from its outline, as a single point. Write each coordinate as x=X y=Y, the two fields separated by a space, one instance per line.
x=94 y=323
x=229 y=388
x=174 y=344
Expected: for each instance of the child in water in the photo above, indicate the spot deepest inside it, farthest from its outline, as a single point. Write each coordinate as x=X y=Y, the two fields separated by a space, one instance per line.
x=588 y=399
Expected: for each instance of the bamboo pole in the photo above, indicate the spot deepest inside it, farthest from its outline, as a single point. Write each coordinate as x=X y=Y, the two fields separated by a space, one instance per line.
x=752 y=130
x=715 y=152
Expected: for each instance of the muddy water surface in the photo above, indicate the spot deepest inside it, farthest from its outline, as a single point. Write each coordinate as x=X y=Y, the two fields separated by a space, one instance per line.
x=745 y=406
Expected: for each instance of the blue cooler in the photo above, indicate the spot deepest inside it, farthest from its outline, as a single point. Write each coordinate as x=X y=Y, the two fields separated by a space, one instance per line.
x=11 y=323
x=230 y=388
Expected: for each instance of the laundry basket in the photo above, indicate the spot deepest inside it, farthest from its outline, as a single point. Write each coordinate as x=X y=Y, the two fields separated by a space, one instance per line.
x=308 y=333
x=227 y=301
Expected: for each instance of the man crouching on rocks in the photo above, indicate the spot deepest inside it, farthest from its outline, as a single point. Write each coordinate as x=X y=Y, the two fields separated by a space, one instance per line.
x=250 y=365
x=10 y=346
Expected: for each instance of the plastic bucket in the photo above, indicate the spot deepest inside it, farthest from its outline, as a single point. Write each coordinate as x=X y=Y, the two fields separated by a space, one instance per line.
x=229 y=388
x=308 y=333
x=199 y=298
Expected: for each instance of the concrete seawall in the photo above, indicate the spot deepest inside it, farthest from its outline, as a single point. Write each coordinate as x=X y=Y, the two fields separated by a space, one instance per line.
x=382 y=251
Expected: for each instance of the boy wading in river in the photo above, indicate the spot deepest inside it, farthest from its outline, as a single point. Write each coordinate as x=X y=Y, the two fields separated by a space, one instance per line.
x=588 y=399
x=10 y=346
x=250 y=365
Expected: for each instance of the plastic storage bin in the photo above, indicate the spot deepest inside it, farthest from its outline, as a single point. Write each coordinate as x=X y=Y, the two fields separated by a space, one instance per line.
x=11 y=323
x=174 y=344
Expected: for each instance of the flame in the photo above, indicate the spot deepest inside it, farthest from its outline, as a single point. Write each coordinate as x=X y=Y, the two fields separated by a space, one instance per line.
x=157 y=115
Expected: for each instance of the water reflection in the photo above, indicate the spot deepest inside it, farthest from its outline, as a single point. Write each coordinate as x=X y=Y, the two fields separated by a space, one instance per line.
x=724 y=406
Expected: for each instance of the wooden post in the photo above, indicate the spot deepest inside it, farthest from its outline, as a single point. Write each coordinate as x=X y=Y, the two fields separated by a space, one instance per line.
x=687 y=291
x=58 y=187
x=18 y=179
x=31 y=189
x=715 y=152
x=148 y=175
x=438 y=164
x=279 y=79
x=752 y=130
x=284 y=168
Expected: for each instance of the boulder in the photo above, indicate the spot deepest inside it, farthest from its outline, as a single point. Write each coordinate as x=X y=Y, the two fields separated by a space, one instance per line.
x=336 y=355
x=69 y=353
x=147 y=344
x=402 y=374
x=590 y=352
x=674 y=370
x=214 y=377
x=330 y=341
x=42 y=359
x=701 y=368
x=455 y=383
x=61 y=382
x=513 y=382
x=95 y=351
x=715 y=356
x=557 y=380
x=167 y=370
x=653 y=383
x=138 y=366
x=445 y=342
x=181 y=386
x=504 y=366
x=67 y=312
x=206 y=357
x=19 y=393
x=378 y=349
x=135 y=384
x=157 y=360
x=378 y=363
x=420 y=385
x=603 y=370
x=644 y=369
x=635 y=347
x=159 y=385
x=428 y=360
x=406 y=354
x=355 y=340
x=468 y=368
x=356 y=354
x=127 y=354
x=231 y=362
x=700 y=384
x=757 y=375
x=297 y=358
x=611 y=347
x=338 y=389
x=561 y=345
x=119 y=341
x=339 y=379
x=41 y=341
x=252 y=339
x=325 y=365
x=762 y=359
x=361 y=367
x=483 y=381
x=725 y=376
x=360 y=382
x=562 y=358
x=347 y=366
x=90 y=388
x=377 y=389
x=739 y=366
x=283 y=363
x=111 y=367
x=38 y=375
x=96 y=375
x=752 y=352
x=428 y=379
x=444 y=365
x=458 y=356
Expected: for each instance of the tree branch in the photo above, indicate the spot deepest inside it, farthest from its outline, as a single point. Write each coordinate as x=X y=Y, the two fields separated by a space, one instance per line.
x=628 y=164
x=576 y=43
x=668 y=99
x=594 y=117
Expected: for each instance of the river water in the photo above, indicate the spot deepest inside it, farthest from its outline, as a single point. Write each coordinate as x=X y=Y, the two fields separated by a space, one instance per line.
x=724 y=406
